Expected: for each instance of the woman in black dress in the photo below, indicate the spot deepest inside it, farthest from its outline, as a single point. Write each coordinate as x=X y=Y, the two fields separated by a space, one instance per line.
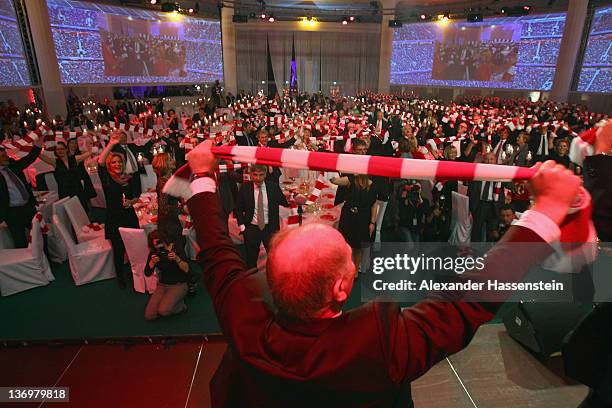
x=67 y=172
x=168 y=211
x=88 y=187
x=560 y=154
x=360 y=210
x=121 y=193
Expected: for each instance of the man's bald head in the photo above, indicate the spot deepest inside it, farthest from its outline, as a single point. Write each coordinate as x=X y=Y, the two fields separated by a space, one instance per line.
x=309 y=271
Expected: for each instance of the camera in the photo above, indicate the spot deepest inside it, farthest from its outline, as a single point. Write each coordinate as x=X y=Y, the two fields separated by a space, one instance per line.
x=162 y=252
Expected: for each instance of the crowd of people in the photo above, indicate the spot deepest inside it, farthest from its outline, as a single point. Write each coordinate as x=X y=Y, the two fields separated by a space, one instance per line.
x=142 y=55
x=476 y=61
x=510 y=132
x=490 y=130
x=532 y=57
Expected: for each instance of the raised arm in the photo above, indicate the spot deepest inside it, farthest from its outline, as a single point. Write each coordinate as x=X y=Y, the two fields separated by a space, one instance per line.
x=31 y=156
x=80 y=157
x=109 y=147
x=236 y=296
x=340 y=181
x=445 y=323
x=50 y=160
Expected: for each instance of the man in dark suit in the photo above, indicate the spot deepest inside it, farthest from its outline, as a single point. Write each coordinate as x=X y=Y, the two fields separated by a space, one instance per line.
x=17 y=203
x=484 y=204
x=263 y=138
x=539 y=144
x=499 y=144
x=257 y=212
x=130 y=152
x=298 y=348
x=379 y=122
x=248 y=137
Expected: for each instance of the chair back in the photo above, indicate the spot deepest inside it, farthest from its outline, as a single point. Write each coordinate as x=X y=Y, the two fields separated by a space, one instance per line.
x=461 y=223
x=148 y=180
x=62 y=215
x=50 y=181
x=37 y=245
x=65 y=234
x=76 y=213
x=137 y=249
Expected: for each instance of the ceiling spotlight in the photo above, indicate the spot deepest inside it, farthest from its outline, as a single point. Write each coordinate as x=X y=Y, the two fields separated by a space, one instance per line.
x=503 y=10
x=344 y=21
x=527 y=8
x=263 y=16
x=153 y=2
x=352 y=18
x=271 y=19
x=423 y=16
x=191 y=11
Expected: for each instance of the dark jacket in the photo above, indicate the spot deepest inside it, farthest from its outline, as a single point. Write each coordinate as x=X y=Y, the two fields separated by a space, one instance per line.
x=245 y=204
x=365 y=357
x=144 y=149
x=475 y=194
x=17 y=167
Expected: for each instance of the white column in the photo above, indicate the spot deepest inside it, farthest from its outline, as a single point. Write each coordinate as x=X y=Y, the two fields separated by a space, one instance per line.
x=40 y=27
x=386 y=48
x=229 y=50
x=568 y=52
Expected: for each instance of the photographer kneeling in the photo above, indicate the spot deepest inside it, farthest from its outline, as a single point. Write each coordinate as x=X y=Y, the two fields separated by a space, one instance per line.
x=172 y=272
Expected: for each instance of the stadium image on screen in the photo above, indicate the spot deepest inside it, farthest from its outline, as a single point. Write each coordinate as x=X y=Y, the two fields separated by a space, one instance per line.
x=102 y=44
x=596 y=72
x=13 y=67
x=508 y=52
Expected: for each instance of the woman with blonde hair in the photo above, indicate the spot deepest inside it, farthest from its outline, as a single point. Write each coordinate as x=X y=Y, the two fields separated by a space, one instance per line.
x=168 y=221
x=121 y=193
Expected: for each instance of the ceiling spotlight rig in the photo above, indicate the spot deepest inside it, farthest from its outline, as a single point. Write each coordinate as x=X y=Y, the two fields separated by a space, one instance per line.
x=175 y=8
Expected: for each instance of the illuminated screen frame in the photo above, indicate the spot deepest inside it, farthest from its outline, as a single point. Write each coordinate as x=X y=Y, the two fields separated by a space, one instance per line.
x=11 y=50
x=602 y=70
x=87 y=50
x=420 y=67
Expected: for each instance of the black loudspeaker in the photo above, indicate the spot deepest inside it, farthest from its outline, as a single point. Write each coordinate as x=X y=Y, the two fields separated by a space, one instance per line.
x=541 y=326
x=395 y=23
x=239 y=18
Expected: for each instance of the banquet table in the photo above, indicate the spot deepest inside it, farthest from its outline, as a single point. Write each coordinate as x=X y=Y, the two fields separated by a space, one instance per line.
x=146 y=211
x=323 y=210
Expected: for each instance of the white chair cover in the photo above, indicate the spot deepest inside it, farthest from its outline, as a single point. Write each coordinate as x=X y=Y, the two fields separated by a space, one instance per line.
x=55 y=243
x=148 y=180
x=80 y=221
x=6 y=240
x=89 y=261
x=51 y=182
x=25 y=268
x=98 y=201
x=461 y=220
x=135 y=241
